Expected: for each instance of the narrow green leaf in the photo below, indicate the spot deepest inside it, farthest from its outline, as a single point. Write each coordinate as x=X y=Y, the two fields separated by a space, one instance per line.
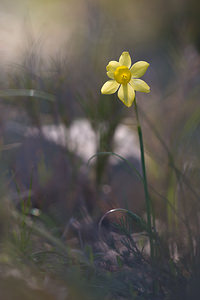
x=27 y=93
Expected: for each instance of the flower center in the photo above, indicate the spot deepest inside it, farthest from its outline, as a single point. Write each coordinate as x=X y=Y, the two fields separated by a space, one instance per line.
x=122 y=75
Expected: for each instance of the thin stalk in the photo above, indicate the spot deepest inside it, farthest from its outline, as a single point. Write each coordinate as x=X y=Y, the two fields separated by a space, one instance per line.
x=147 y=197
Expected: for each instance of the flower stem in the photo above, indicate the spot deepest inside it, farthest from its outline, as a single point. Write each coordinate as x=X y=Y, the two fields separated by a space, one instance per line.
x=147 y=197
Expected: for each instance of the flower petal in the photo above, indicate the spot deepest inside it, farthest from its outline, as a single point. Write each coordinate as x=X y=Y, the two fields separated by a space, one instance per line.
x=112 y=66
x=126 y=94
x=125 y=59
x=110 y=87
x=139 y=68
x=140 y=85
x=110 y=74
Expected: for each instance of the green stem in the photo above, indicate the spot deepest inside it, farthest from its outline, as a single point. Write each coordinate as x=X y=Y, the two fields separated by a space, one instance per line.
x=147 y=197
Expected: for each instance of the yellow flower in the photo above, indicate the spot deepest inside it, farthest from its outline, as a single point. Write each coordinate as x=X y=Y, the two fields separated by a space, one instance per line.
x=125 y=78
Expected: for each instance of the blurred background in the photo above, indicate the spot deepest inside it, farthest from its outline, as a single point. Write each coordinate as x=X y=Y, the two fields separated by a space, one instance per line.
x=60 y=49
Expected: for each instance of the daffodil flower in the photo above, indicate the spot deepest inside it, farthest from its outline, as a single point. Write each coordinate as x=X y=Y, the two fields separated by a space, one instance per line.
x=124 y=78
